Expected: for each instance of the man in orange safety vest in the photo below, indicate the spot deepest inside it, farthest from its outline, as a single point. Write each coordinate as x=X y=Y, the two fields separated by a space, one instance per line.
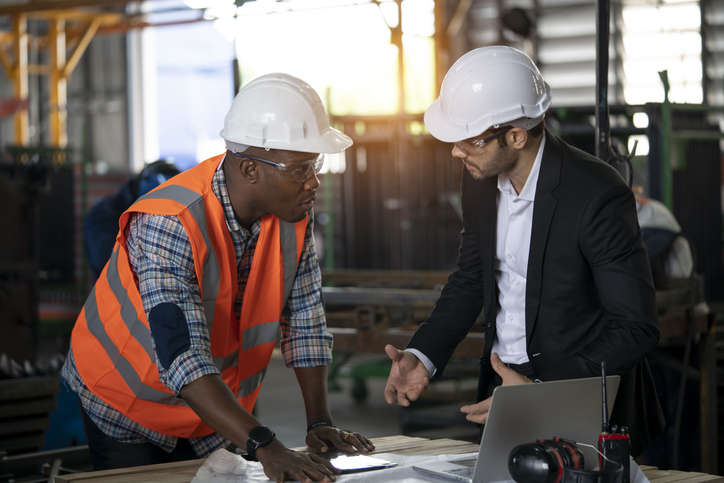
x=170 y=350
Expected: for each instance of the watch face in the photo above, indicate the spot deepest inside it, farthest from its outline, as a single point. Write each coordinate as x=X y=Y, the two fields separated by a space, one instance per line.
x=262 y=435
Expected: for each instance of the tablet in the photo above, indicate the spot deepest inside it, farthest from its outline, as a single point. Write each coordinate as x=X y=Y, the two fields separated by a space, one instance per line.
x=355 y=463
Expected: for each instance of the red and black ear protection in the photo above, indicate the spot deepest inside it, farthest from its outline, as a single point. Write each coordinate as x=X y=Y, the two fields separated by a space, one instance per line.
x=555 y=461
x=544 y=460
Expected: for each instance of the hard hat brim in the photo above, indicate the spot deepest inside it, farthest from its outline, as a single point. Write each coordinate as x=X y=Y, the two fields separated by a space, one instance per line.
x=440 y=128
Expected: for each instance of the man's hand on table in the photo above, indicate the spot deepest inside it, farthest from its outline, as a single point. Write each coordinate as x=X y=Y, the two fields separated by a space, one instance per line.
x=408 y=378
x=321 y=437
x=283 y=464
x=478 y=413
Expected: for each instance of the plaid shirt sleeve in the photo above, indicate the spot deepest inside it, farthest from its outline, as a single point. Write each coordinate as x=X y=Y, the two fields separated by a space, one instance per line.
x=305 y=340
x=160 y=255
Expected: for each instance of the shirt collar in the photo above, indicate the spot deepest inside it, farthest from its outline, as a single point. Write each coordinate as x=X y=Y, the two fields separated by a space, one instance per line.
x=529 y=189
x=222 y=193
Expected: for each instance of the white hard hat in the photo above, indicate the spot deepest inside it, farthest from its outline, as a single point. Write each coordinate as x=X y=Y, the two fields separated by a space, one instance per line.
x=280 y=111
x=488 y=87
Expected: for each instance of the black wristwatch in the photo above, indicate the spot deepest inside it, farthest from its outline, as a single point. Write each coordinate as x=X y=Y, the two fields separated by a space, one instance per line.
x=259 y=437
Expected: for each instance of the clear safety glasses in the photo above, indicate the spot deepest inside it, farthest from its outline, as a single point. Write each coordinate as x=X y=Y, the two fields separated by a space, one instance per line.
x=301 y=171
x=476 y=145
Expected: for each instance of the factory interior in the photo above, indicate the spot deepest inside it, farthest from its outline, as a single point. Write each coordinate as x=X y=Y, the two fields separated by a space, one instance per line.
x=95 y=90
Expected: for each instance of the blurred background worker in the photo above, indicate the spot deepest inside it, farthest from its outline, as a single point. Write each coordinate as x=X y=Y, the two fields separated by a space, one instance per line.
x=101 y=223
x=669 y=251
x=214 y=264
x=551 y=251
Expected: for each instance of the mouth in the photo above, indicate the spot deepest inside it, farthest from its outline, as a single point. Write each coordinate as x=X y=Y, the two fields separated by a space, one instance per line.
x=309 y=203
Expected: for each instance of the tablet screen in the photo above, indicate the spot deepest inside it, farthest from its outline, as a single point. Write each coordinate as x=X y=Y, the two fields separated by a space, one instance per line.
x=355 y=463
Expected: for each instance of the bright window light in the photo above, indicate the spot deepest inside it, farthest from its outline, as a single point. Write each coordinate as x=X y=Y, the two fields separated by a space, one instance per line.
x=641 y=120
x=344 y=52
x=208 y=3
x=657 y=38
x=334 y=163
x=642 y=149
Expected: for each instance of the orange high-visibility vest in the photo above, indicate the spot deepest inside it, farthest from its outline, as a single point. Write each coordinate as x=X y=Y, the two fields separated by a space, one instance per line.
x=111 y=339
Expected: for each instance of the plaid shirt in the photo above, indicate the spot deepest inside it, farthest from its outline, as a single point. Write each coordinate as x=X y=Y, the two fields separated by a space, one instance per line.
x=160 y=254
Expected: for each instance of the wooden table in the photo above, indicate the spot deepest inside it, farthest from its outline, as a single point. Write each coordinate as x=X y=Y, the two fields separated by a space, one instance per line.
x=185 y=471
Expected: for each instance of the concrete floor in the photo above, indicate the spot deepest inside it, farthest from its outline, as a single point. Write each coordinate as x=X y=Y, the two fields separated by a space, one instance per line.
x=280 y=406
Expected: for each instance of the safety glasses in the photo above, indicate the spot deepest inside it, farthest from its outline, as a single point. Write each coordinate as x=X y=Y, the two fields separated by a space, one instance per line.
x=300 y=172
x=475 y=146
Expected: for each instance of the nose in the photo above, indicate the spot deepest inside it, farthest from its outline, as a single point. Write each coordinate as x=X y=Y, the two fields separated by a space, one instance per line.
x=458 y=153
x=312 y=183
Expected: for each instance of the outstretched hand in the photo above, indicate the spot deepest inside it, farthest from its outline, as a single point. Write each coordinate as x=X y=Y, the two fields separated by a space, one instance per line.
x=408 y=378
x=478 y=413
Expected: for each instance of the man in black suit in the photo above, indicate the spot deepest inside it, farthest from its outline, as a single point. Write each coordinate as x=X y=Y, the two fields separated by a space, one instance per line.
x=551 y=250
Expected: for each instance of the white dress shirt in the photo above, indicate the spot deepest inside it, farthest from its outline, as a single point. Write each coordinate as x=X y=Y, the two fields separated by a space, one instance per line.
x=512 y=246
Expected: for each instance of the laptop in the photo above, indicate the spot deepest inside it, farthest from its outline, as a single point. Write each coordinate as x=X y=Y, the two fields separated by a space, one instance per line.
x=570 y=409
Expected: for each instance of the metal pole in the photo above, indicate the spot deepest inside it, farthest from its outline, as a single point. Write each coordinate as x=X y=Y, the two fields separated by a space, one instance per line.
x=603 y=12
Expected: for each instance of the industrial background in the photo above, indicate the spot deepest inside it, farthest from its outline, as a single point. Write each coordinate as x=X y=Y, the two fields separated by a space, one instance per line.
x=91 y=90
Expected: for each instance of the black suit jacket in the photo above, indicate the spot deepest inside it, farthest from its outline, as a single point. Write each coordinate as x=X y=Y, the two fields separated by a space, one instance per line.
x=589 y=295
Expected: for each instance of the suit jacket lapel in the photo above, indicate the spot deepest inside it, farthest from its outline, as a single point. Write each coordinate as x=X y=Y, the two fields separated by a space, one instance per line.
x=488 y=215
x=544 y=207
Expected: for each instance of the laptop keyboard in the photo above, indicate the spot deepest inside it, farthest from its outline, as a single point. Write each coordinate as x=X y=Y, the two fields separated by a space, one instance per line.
x=464 y=472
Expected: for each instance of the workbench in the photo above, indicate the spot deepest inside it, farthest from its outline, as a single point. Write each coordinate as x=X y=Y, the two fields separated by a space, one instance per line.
x=185 y=471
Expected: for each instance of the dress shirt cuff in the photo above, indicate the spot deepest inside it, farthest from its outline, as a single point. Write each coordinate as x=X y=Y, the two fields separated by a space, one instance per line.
x=431 y=369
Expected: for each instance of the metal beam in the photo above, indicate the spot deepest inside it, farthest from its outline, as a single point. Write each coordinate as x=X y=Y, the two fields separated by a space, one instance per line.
x=58 y=84
x=24 y=8
x=353 y=340
x=20 y=77
x=80 y=49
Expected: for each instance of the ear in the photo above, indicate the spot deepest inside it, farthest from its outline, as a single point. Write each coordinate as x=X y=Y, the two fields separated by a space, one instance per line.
x=517 y=137
x=249 y=170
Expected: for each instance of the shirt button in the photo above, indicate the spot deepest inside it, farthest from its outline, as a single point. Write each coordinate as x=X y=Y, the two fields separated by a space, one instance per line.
x=510 y=317
x=510 y=255
x=510 y=350
x=517 y=284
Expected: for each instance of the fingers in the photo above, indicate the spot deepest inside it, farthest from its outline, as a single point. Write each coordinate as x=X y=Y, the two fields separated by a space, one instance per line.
x=349 y=442
x=286 y=465
x=314 y=441
x=508 y=375
x=391 y=394
x=353 y=442
x=477 y=413
x=498 y=365
x=401 y=397
x=393 y=353
x=307 y=475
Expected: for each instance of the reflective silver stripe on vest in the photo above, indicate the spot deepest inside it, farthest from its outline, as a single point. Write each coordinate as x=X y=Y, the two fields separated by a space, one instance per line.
x=223 y=363
x=211 y=279
x=137 y=329
x=260 y=334
x=250 y=384
x=129 y=314
x=288 y=235
x=268 y=332
x=211 y=270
